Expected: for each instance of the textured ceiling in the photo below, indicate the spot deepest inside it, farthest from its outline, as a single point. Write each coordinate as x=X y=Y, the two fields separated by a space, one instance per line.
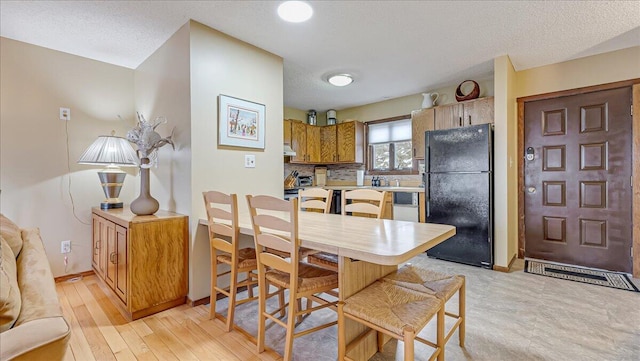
x=393 y=48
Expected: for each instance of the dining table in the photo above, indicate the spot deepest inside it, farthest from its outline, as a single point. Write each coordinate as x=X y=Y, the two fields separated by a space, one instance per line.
x=367 y=248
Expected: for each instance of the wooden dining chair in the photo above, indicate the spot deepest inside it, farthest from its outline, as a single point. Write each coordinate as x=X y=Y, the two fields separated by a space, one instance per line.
x=315 y=199
x=302 y=280
x=386 y=308
x=359 y=202
x=222 y=217
x=439 y=285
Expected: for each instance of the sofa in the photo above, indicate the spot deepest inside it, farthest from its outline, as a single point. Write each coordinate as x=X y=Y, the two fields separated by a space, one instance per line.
x=31 y=323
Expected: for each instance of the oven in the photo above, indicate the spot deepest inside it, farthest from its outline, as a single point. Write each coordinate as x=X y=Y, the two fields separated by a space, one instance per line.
x=290 y=193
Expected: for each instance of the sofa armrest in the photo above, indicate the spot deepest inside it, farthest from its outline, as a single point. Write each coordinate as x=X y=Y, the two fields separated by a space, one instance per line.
x=41 y=339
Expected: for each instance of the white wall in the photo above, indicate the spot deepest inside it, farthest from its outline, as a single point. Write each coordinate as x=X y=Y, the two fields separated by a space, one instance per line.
x=36 y=178
x=221 y=64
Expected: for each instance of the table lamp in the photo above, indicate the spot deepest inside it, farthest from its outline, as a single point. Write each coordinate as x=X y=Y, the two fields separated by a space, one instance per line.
x=113 y=152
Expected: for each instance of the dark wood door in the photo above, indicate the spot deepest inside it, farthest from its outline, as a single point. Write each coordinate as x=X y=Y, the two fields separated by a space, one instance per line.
x=577 y=182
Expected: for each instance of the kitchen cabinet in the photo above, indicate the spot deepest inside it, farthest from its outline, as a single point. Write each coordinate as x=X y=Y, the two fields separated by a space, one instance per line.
x=305 y=141
x=329 y=144
x=142 y=259
x=350 y=142
x=421 y=121
x=286 y=131
x=340 y=143
x=471 y=112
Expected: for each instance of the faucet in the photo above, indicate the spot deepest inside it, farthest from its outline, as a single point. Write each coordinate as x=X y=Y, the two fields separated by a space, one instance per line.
x=397 y=182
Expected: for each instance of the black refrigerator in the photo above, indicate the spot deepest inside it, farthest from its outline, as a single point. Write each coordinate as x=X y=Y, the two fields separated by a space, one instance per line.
x=459 y=192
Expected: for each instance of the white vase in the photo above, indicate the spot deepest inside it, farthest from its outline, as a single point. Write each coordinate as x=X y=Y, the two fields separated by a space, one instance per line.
x=429 y=99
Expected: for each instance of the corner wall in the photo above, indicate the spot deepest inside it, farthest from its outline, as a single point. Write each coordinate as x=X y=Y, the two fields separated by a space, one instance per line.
x=221 y=64
x=36 y=177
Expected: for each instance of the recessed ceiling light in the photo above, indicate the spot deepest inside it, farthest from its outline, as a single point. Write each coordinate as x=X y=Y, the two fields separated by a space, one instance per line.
x=340 y=79
x=295 y=11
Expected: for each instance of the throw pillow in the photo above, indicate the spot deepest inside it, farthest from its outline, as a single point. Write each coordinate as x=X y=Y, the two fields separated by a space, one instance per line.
x=10 y=301
x=12 y=234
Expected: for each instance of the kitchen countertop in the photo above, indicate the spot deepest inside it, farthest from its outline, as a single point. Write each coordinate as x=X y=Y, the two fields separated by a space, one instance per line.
x=388 y=189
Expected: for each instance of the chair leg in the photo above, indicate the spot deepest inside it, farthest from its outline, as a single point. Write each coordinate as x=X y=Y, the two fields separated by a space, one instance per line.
x=281 y=301
x=262 y=299
x=409 y=335
x=233 y=290
x=214 y=282
x=440 y=332
x=342 y=346
x=249 y=286
x=291 y=324
x=298 y=309
x=461 y=312
x=380 y=337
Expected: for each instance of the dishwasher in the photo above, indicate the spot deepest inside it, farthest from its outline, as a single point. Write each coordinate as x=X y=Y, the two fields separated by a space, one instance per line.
x=405 y=206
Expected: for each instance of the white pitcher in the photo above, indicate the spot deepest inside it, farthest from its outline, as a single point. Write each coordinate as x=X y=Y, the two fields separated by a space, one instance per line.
x=429 y=100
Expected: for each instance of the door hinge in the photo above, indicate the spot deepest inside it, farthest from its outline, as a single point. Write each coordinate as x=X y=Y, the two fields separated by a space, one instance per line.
x=631 y=109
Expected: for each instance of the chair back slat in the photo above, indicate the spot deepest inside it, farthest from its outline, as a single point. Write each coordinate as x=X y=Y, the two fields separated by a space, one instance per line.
x=274 y=261
x=270 y=203
x=273 y=241
x=221 y=229
x=271 y=222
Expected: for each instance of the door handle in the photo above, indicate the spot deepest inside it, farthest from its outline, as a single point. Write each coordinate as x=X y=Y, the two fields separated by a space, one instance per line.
x=469 y=120
x=113 y=258
x=531 y=190
x=460 y=121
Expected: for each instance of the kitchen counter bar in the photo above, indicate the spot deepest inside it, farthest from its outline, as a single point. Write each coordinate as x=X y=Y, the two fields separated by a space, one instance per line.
x=388 y=189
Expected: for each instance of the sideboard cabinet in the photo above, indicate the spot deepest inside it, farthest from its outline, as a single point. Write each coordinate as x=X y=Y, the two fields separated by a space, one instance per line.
x=142 y=259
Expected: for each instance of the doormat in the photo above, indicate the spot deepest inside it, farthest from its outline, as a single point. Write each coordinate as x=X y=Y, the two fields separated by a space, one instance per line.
x=585 y=275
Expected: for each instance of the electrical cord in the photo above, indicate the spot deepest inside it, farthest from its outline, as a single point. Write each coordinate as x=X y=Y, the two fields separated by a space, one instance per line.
x=73 y=204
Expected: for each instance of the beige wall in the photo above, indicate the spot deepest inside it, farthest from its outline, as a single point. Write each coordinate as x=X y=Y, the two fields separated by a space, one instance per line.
x=221 y=64
x=293 y=113
x=404 y=105
x=505 y=163
x=592 y=70
x=36 y=178
x=162 y=89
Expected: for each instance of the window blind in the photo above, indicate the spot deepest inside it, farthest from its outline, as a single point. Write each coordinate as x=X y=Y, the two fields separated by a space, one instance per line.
x=390 y=131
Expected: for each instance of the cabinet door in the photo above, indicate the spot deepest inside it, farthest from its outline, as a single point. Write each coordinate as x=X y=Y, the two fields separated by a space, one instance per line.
x=111 y=251
x=328 y=143
x=350 y=142
x=449 y=116
x=479 y=111
x=286 y=131
x=122 y=261
x=421 y=121
x=299 y=142
x=313 y=144
x=99 y=245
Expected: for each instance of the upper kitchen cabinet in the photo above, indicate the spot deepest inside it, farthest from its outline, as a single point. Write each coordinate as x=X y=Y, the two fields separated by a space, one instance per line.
x=350 y=144
x=305 y=141
x=471 y=112
x=286 y=131
x=329 y=144
x=421 y=121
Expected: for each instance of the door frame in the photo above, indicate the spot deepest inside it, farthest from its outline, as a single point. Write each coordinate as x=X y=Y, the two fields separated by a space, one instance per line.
x=635 y=158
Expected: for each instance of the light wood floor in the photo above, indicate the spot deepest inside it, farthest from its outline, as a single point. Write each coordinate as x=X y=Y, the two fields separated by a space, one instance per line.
x=100 y=332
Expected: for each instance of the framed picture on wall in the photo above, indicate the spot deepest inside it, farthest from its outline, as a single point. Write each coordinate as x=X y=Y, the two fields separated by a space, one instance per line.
x=241 y=123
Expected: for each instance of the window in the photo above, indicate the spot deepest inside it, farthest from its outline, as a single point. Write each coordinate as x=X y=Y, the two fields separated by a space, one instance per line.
x=390 y=148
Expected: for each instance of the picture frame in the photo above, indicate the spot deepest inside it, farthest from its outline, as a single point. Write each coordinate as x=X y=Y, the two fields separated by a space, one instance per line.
x=241 y=123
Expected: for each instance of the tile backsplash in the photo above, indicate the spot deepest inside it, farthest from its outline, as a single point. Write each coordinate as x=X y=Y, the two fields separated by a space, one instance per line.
x=340 y=174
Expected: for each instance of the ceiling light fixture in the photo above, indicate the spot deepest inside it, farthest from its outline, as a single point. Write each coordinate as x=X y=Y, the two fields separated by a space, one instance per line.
x=340 y=79
x=295 y=11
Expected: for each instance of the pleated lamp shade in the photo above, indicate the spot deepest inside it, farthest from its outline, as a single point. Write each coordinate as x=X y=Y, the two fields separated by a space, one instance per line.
x=110 y=151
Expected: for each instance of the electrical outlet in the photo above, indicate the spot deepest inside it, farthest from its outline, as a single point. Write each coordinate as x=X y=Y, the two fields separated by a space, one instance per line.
x=249 y=161
x=65 y=246
x=65 y=114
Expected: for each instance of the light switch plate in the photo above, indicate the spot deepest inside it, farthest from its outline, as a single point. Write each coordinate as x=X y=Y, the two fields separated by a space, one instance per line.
x=249 y=161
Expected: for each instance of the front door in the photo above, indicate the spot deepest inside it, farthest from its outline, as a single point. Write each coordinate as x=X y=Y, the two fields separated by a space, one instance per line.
x=577 y=179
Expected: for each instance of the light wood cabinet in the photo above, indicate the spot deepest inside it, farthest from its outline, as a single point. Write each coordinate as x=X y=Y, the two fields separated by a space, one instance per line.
x=329 y=144
x=350 y=142
x=341 y=143
x=143 y=259
x=299 y=142
x=421 y=121
x=472 y=112
x=286 y=132
x=313 y=144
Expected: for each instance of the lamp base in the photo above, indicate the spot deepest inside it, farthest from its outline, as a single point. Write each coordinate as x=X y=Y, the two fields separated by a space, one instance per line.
x=108 y=205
